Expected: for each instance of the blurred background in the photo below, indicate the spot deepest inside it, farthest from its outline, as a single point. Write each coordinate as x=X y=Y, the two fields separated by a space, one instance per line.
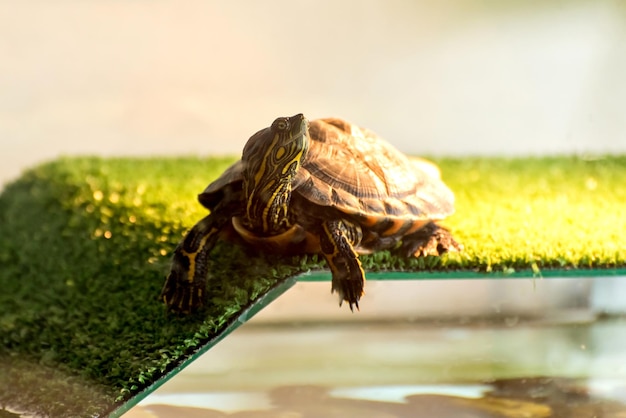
x=452 y=77
x=199 y=77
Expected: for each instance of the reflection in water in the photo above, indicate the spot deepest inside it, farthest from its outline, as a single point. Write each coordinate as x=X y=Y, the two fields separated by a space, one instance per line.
x=4 y=413
x=505 y=398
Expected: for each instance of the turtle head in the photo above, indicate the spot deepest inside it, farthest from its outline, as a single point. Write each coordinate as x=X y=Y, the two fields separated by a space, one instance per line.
x=271 y=159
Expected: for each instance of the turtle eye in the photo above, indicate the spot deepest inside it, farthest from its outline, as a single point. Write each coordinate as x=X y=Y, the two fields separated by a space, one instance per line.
x=281 y=124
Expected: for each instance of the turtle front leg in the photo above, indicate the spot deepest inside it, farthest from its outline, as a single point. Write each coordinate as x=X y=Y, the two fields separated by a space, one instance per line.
x=337 y=241
x=185 y=286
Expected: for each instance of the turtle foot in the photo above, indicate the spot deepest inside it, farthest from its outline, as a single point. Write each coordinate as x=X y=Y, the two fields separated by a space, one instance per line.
x=432 y=239
x=182 y=295
x=349 y=291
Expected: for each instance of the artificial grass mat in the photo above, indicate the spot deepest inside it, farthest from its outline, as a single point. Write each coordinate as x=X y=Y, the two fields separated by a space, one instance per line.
x=85 y=244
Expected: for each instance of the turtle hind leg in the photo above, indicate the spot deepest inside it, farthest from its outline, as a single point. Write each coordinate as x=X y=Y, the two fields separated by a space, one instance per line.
x=431 y=239
x=337 y=241
x=184 y=288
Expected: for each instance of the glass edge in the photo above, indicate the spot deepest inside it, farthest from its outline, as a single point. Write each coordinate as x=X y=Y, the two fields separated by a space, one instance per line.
x=324 y=275
x=246 y=314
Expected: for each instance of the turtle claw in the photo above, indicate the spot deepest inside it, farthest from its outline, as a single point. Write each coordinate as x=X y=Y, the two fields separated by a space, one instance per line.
x=351 y=304
x=180 y=294
x=354 y=305
x=432 y=239
x=349 y=292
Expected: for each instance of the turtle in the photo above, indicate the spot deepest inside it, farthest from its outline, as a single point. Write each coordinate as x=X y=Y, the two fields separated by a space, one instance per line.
x=325 y=186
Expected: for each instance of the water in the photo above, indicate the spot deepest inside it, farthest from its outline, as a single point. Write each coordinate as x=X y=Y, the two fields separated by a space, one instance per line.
x=511 y=366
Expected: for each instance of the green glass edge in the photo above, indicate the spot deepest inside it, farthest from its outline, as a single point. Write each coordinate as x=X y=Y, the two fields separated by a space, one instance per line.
x=255 y=307
x=324 y=275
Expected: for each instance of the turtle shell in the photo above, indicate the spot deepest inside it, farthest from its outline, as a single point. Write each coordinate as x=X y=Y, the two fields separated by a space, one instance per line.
x=359 y=175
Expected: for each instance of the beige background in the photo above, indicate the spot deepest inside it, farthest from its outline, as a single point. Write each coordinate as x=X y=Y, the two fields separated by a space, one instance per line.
x=199 y=77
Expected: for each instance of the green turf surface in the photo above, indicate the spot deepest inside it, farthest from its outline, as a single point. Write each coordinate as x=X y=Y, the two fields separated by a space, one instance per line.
x=85 y=245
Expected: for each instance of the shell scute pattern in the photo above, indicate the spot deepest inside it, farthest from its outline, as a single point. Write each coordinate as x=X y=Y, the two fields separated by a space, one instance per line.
x=353 y=170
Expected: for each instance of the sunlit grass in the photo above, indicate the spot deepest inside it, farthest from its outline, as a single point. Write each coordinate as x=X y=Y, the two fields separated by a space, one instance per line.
x=543 y=212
